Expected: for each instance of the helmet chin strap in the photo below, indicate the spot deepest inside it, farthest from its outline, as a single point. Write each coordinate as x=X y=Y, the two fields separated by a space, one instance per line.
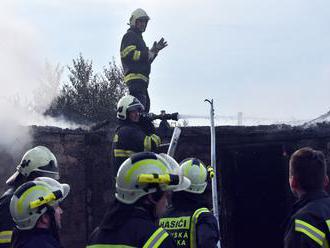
x=149 y=203
x=54 y=229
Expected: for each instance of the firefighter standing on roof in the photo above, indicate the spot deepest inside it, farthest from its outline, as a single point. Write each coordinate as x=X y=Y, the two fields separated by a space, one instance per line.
x=136 y=57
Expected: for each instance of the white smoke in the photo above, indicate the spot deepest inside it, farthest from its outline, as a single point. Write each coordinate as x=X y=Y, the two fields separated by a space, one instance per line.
x=28 y=84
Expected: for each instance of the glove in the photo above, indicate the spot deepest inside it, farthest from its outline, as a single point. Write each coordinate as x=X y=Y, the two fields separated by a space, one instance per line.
x=164 y=130
x=161 y=44
x=157 y=46
x=146 y=124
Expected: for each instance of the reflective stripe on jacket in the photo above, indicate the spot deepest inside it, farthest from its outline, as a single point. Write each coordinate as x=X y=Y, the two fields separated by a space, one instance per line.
x=137 y=229
x=312 y=232
x=6 y=222
x=5 y=237
x=154 y=241
x=130 y=138
x=156 y=238
x=134 y=56
x=134 y=76
x=309 y=225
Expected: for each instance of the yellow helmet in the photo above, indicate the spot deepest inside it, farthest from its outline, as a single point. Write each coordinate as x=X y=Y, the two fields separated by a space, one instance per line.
x=32 y=198
x=195 y=170
x=138 y=14
x=145 y=173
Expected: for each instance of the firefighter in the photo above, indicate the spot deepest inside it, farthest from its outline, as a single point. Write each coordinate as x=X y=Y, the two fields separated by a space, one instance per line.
x=136 y=57
x=131 y=136
x=143 y=185
x=35 y=210
x=310 y=218
x=189 y=221
x=38 y=161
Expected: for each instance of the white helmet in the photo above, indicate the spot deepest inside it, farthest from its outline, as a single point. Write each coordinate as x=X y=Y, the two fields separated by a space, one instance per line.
x=32 y=198
x=39 y=159
x=195 y=170
x=126 y=104
x=138 y=14
x=145 y=173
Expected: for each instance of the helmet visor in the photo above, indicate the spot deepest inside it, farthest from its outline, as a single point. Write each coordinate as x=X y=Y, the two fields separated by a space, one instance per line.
x=136 y=107
x=12 y=178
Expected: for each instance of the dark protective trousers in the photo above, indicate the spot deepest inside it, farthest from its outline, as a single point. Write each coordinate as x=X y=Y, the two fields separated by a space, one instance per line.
x=139 y=89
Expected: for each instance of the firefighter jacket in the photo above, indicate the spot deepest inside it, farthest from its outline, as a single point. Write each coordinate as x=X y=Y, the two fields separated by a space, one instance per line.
x=310 y=222
x=137 y=230
x=37 y=237
x=130 y=138
x=195 y=229
x=6 y=222
x=135 y=57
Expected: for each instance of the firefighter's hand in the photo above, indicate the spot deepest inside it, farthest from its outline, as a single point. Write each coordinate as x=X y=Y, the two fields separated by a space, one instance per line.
x=161 y=44
x=157 y=46
x=147 y=125
x=154 y=48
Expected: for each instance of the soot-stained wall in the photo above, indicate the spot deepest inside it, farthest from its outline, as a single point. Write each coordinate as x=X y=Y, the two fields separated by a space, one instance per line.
x=252 y=176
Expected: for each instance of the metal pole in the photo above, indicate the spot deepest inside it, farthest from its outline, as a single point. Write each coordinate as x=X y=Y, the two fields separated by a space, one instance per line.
x=214 y=166
x=174 y=141
x=239 y=118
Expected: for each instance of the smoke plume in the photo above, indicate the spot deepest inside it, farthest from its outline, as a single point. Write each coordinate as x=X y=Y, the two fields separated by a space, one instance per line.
x=28 y=84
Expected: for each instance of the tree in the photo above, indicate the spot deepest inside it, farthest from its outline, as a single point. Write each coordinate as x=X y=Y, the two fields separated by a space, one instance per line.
x=88 y=97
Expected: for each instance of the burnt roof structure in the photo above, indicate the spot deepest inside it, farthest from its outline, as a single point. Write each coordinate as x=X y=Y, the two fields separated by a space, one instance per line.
x=252 y=166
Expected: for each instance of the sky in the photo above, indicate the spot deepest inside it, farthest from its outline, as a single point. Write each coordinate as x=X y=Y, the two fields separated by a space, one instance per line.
x=269 y=59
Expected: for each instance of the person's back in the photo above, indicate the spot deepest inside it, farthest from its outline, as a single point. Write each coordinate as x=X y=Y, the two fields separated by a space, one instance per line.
x=38 y=237
x=193 y=226
x=190 y=222
x=135 y=228
x=309 y=223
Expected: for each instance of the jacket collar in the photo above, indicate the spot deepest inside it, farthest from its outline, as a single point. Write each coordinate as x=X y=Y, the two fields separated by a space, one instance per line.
x=144 y=212
x=135 y=30
x=126 y=122
x=306 y=198
x=301 y=202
